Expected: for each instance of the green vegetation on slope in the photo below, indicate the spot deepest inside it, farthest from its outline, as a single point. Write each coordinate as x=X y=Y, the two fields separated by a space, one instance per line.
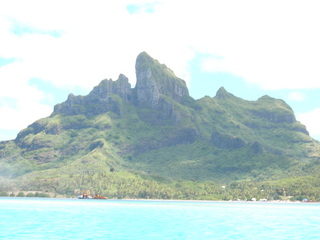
x=176 y=147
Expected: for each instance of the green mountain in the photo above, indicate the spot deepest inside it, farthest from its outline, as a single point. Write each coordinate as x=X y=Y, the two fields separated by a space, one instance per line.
x=155 y=141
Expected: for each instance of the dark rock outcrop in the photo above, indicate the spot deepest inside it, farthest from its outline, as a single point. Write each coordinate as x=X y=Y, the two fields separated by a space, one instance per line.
x=183 y=136
x=226 y=141
x=256 y=147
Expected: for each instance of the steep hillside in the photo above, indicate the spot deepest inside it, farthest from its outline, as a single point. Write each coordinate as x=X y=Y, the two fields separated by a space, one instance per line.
x=126 y=141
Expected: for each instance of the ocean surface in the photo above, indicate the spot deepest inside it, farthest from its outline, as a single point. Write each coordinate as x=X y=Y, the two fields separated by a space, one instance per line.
x=31 y=218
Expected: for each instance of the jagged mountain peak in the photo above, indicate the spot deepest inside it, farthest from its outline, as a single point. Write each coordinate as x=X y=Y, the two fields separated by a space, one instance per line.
x=143 y=58
x=222 y=93
x=155 y=80
x=155 y=83
x=99 y=100
x=145 y=61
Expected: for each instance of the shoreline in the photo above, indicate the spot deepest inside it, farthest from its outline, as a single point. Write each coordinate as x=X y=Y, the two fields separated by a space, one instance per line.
x=160 y=200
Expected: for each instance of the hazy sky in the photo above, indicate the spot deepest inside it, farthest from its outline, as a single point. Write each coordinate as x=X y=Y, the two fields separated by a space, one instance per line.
x=49 y=49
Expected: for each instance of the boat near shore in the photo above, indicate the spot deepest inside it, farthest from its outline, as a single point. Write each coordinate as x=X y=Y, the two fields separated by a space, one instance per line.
x=86 y=195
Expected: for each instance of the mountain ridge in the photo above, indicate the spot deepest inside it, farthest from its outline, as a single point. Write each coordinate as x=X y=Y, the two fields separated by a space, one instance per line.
x=156 y=130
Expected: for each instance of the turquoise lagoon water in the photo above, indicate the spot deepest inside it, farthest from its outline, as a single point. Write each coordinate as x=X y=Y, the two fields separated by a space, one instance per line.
x=24 y=218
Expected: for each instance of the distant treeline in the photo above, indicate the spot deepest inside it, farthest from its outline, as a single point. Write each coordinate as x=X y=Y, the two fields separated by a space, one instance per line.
x=123 y=186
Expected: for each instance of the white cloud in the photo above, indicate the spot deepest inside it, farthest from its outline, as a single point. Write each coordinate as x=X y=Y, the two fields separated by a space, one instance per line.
x=272 y=44
x=312 y=120
x=296 y=96
x=97 y=41
x=23 y=105
x=22 y=111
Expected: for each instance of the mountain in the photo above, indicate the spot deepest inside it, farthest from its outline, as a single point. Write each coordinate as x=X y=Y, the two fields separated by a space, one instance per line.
x=155 y=140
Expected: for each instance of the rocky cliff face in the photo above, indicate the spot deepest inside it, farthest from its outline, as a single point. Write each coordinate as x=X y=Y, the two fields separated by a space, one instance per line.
x=277 y=111
x=154 y=81
x=120 y=87
x=147 y=91
x=101 y=99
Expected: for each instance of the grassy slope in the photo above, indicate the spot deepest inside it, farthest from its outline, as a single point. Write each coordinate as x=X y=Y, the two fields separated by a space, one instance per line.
x=284 y=146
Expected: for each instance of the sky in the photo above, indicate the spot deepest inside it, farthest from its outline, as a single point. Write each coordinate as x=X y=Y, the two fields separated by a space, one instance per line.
x=252 y=48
